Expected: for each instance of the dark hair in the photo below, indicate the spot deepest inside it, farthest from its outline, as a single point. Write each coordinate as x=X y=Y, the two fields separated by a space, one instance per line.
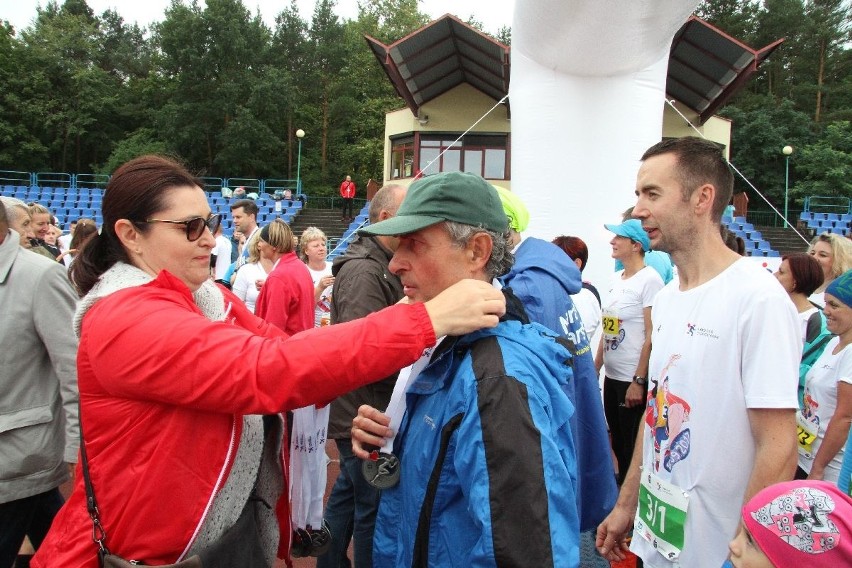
x=575 y=248
x=84 y=229
x=806 y=271
x=699 y=162
x=732 y=240
x=136 y=191
x=248 y=205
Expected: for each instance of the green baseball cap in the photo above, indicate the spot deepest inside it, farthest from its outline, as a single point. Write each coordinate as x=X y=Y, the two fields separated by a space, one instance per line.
x=450 y=196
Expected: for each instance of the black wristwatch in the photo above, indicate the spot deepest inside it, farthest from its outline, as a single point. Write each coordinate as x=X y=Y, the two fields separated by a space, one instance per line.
x=641 y=381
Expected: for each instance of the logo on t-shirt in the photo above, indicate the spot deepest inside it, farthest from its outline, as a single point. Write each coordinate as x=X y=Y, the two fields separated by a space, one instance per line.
x=692 y=330
x=666 y=415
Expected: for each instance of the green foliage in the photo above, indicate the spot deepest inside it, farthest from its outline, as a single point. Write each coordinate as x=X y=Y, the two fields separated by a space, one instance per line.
x=826 y=164
x=802 y=96
x=137 y=143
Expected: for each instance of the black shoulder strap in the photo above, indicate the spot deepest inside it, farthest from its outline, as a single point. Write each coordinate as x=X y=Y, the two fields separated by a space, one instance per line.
x=588 y=286
x=98 y=532
x=814 y=326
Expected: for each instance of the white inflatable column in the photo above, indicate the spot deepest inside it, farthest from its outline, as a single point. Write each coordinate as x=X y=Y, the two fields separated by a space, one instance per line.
x=586 y=94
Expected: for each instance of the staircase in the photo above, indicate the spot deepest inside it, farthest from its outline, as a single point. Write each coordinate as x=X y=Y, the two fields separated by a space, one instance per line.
x=785 y=241
x=326 y=219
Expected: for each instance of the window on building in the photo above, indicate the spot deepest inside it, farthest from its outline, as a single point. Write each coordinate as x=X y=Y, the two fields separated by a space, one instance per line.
x=402 y=158
x=483 y=154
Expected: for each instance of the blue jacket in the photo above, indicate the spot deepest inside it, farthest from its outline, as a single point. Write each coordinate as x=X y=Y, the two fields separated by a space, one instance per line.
x=543 y=279
x=488 y=468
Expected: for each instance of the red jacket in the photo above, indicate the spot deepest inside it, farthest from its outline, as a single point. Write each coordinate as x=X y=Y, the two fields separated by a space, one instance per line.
x=163 y=390
x=286 y=299
x=347 y=189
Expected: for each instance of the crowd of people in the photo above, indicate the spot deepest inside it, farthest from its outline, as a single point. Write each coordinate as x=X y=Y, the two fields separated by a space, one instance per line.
x=488 y=406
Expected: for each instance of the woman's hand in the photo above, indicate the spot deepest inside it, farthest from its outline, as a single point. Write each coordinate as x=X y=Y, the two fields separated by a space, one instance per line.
x=370 y=427
x=466 y=306
x=635 y=395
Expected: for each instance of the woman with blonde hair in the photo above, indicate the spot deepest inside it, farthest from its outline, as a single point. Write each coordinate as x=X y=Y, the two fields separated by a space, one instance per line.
x=250 y=277
x=834 y=254
x=313 y=245
x=286 y=299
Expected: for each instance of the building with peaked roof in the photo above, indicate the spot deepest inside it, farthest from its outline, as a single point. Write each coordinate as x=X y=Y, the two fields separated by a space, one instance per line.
x=454 y=81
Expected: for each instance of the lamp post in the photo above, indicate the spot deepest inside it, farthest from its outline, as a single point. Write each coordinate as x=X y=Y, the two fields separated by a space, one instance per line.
x=299 y=134
x=787 y=151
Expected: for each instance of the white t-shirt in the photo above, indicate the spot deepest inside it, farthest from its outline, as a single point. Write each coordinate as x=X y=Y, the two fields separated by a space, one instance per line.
x=244 y=286
x=804 y=317
x=590 y=310
x=731 y=344
x=624 y=321
x=818 y=298
x=64 y=241
x=820 y=402
x=222 y=250
x=323 y=306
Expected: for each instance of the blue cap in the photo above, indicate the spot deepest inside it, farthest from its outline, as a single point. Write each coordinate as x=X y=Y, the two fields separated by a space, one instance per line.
x=632 y=229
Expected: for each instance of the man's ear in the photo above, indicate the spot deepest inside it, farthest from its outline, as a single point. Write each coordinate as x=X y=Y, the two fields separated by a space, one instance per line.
x=479 y=249
x=703 y=198
x=128 y=234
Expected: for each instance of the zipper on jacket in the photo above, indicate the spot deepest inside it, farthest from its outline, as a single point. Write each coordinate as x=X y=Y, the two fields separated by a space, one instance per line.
x=420 y=557
x=216 y=487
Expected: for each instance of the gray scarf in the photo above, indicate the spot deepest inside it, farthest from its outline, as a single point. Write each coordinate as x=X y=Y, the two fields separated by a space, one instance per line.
x=208 y=297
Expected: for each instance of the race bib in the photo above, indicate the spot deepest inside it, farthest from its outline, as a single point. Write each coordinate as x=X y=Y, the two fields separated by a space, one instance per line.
x=806 y=433
x=662 y=515
x=610 y=322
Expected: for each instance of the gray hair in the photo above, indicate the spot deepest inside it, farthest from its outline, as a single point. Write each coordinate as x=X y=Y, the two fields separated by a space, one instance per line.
x=9 y=203
x=384 y=200
x=501 y=259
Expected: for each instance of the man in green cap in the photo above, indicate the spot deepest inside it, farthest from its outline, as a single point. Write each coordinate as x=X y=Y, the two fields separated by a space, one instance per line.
x=483 y=471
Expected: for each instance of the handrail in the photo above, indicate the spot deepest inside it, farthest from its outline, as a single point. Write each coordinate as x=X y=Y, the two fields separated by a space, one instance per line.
x=828 y=204
x=11 y=175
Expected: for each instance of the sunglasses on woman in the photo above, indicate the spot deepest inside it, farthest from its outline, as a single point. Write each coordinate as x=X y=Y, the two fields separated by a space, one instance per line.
x=194 y=227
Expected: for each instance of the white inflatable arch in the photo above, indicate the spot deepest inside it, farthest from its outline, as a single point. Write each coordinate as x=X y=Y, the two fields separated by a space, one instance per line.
x=587 y=95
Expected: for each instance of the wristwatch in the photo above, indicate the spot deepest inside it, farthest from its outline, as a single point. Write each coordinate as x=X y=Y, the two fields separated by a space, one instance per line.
x=641 y=381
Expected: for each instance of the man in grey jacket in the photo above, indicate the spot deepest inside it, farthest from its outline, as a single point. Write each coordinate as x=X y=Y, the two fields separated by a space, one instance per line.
x=39 y=434
x=363 y=285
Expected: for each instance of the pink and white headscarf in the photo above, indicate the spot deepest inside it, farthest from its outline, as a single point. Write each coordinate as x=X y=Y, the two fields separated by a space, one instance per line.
x=802 y=523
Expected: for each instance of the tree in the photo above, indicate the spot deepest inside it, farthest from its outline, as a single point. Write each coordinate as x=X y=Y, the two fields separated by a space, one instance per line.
x=826 y=164
x=758 y=135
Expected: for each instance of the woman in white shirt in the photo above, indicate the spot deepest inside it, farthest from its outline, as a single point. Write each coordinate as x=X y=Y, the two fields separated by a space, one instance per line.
x=625 y=348
x=252 y=274
x=825 y=419
x=314 y=252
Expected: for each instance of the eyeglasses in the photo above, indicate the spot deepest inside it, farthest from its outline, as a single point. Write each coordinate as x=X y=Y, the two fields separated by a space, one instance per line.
x=195 y=226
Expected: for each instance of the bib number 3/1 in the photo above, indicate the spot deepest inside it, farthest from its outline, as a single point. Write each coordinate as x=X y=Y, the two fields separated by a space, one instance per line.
x=662 y=515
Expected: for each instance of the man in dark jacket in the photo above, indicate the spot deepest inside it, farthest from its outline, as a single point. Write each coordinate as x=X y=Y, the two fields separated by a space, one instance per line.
x=363 y=285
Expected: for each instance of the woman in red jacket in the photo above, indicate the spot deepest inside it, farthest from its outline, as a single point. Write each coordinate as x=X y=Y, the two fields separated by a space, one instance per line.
x=175 y=375
x=286 y=299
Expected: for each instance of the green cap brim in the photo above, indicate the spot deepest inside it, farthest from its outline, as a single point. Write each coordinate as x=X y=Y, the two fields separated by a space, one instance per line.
x=401 y=225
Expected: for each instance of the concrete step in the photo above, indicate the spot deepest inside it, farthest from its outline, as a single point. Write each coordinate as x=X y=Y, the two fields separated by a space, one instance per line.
x=785 y=241
x=328 y=220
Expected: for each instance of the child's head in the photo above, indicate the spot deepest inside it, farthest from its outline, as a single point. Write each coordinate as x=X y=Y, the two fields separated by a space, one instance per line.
x=796 y=523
